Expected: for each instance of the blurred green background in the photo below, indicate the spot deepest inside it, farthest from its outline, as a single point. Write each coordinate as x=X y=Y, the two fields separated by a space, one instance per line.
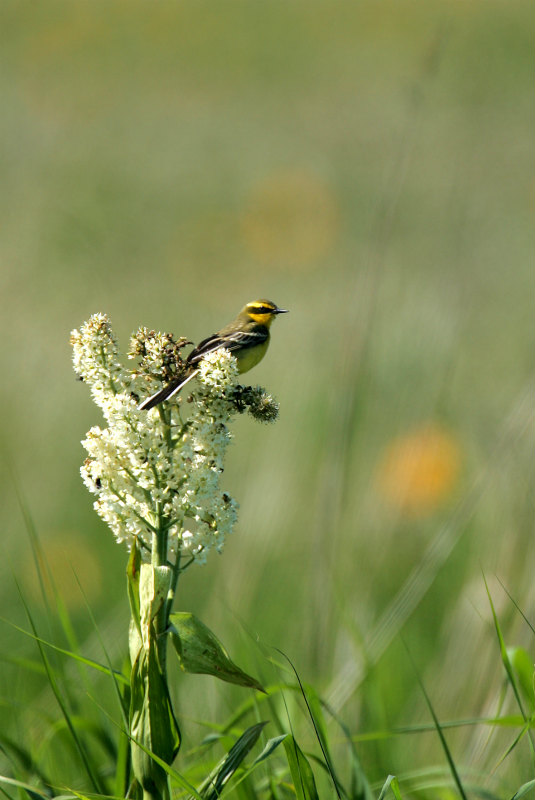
x=369 y=166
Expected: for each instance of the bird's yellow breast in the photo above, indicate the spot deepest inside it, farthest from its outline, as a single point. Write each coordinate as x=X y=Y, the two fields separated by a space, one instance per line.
x=250 y=356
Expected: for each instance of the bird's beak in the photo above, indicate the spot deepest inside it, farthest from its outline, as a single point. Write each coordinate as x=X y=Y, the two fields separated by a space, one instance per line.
x=281 y=310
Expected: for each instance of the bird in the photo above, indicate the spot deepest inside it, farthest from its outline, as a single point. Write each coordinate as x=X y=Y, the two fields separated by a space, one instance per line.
x=246 y=337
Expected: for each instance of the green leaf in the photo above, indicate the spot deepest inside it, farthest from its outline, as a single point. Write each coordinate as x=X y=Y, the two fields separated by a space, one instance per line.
x=271 y=745
x=32 y=791
x=269 y=748
x=154 y=584
x=200 y=651
x=392 y=784
x=523 y=668
x=212 y=787
x=152 y=721
x=301 y=771
x=523 y=791
x=504 y=654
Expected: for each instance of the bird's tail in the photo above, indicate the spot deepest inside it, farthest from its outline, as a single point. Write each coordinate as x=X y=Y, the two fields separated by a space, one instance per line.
x=167 y=392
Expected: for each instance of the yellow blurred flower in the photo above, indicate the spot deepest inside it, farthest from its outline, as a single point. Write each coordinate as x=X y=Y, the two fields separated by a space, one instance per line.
x=419 y=470
x=291 y=219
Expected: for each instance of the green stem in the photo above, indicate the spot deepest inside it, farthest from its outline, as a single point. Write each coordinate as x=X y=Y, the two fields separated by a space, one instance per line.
x=172 y=588
x=155 y=549
x=159 y=558
x=164 y=417
x=149 y=692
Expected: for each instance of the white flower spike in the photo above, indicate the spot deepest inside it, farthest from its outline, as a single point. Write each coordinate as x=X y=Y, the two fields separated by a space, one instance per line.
x=156 y=475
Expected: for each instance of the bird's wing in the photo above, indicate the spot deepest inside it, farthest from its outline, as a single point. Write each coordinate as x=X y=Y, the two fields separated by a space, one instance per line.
x=237 y=340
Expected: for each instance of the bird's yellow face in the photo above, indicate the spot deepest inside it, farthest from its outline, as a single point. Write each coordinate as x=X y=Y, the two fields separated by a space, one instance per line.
x=262 y=312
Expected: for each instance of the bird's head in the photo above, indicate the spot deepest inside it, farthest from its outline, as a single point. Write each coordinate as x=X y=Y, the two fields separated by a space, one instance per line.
x=263 y=312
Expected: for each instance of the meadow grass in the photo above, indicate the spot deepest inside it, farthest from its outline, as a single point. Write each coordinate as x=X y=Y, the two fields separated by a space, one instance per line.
x=82 y=748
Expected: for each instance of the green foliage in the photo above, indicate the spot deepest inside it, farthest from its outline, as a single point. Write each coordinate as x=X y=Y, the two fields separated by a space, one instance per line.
x=152 y=721
x=104 y=754
x=300 y=770
x=212 y=787
x=525 y=791
x=522 y=667
x=200 y=651
x=392 y=785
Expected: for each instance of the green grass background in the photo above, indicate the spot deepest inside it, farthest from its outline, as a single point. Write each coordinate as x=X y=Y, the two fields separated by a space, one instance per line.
x=368 y=165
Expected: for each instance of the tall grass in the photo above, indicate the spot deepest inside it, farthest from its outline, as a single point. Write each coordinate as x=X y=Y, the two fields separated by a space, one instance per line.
x=80 y=746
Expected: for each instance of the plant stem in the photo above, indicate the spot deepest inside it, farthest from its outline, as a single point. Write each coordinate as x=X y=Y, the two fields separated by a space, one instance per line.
x=172 y=588
x=159 y=558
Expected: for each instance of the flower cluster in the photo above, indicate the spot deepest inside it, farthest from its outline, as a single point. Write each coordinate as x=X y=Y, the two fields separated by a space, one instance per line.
x=156 y=473
x=159 y=354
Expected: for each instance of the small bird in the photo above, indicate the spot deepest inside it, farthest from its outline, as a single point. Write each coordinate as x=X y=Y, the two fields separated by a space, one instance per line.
x=247 y=338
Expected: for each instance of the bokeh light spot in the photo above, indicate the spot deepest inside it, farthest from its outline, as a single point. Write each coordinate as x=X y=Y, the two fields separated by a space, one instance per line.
x=418 y=471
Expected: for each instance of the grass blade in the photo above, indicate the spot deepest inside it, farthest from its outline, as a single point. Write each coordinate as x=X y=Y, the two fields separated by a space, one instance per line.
x=317 y=728
x=213 y=786
x=31 y=790
x=66 y=715
x=510 y=672
x=523 y=791
x=438 y=727
x=392 y=784
x=301 y=771
x=88 y=662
